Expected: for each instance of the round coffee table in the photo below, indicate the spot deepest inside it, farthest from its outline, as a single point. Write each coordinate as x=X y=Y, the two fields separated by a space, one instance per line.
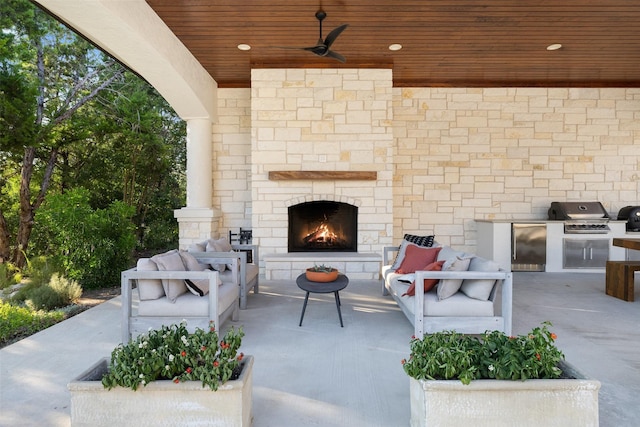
x=322 y=288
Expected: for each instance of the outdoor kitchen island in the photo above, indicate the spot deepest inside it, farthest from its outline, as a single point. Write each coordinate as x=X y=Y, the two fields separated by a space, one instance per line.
x=495 y=242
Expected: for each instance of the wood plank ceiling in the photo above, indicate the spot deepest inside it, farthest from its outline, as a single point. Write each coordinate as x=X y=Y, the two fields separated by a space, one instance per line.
x=448 y=43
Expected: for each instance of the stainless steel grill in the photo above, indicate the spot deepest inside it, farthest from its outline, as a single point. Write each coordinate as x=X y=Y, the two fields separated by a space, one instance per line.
x=581 y=217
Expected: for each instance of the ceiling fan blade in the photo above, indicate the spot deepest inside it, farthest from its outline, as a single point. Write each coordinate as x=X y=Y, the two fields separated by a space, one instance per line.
x=336 y=55
x=333 y=35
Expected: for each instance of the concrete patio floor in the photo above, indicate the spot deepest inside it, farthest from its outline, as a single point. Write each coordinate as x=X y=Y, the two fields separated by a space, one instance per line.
x=323 y=375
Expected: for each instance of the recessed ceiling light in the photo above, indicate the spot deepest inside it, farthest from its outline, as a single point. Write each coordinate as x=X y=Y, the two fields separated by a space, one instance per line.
x=244 y=46
x=395 y=46
x=554 y=46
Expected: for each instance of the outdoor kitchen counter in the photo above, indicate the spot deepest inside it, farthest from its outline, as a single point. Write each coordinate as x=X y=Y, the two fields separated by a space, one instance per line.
x=496 y=238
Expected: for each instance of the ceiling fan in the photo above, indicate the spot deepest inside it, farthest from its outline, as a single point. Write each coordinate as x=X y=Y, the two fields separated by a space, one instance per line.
x=322 y=48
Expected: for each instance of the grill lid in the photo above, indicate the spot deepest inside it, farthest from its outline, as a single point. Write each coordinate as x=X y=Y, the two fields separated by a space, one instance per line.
x=578 y=211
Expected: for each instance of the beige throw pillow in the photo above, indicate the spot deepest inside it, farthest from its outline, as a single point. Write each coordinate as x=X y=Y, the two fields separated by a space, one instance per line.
x=149 y=289
x=171 y=261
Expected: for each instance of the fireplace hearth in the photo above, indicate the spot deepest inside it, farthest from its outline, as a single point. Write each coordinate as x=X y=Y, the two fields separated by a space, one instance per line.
x=320 y=226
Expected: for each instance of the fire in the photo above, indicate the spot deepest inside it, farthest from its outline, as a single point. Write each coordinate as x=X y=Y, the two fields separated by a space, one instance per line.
x=323 y=234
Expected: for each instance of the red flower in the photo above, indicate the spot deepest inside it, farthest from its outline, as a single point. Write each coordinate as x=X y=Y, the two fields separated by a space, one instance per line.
x=183 y=354
x=189 y=370
x=216 y=364
x=212 y=329
x=553 y=336
x=203 y=348
x=176 y=380
x=538 y=356
x=403 y=361
x=240 y=356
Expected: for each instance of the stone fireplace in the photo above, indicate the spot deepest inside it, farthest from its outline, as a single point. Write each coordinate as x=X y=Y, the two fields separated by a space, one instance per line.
x=336 y=123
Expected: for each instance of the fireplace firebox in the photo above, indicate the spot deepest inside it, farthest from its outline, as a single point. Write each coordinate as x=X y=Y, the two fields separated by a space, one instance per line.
x=321 y=226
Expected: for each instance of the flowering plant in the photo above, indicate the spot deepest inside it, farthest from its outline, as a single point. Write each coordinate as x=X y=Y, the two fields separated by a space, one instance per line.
x=450 y=355
x=172 y=353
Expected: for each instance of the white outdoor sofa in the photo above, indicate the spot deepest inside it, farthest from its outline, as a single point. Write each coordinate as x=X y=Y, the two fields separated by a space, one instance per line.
x=156 y=308
x=459 y=312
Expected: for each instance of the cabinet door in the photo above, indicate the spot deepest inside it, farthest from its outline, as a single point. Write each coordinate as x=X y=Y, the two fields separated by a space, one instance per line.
x=585 y=253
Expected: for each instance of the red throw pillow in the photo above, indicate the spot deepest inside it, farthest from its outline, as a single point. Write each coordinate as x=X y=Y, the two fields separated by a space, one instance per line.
x=417 y=257
x=428 y=283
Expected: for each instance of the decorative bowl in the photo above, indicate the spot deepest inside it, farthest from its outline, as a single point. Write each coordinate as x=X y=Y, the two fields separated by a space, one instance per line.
x=321 y=276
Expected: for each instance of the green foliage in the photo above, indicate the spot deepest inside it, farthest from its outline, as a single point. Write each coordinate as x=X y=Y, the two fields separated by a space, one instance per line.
x=92 y=246
x=20 y=321
x=9 y=275
x=450 y=355
x=40 y=269
x=172 y=353
x=58 y=293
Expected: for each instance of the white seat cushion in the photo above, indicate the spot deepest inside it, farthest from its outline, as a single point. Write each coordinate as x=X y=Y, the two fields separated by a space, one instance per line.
x=188 y=304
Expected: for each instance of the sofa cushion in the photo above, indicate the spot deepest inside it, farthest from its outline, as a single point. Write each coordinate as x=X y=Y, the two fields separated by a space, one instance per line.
x=148 y=288
x=188 y=305
x=417 y=257
x=171 y=261
x=480 y=288
x=428 y=283
x=448 y=287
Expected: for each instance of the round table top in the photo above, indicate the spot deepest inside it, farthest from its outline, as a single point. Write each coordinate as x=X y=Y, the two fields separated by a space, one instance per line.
x=322 y=287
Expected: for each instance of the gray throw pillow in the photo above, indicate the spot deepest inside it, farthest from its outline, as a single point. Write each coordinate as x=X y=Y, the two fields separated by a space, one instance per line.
x=448 y=287
x=480 y=288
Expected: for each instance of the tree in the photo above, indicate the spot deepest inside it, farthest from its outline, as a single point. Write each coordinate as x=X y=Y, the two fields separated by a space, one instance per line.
x=47 y=75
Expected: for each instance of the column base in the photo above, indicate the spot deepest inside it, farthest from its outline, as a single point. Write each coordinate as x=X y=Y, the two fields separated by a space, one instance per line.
x=197 y=224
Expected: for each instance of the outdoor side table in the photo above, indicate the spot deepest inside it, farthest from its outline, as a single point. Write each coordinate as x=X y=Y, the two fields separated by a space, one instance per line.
x=322 y=288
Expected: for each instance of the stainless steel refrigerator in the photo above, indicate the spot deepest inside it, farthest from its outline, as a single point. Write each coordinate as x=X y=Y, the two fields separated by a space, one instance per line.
x=528 y=247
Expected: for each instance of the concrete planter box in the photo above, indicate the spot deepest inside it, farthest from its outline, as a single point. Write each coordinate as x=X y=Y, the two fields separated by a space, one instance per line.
x=161 y=403
x=495 y=403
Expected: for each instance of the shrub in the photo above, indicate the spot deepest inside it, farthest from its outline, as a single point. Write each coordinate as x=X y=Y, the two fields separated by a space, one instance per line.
x=172 y=353
x=59 y=292
x=9 y=275
x=16 y=322
x=450 y=355
x=92 y=245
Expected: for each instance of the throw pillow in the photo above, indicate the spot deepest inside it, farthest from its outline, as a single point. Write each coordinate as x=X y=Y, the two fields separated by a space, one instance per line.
x=212 y=248
x=480 y=288
x=417 y=257
x=222 y=245
x=198 y=287
x=149 y=289
x=425 y=241
x=198 y=247
x=171 y=261
x=448 y=287
x=428 y=283
x=191 y=263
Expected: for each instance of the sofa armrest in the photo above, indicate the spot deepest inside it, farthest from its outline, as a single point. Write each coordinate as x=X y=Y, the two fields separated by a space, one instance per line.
x=238 y=261
x=506 y=302
x=254 y=258
x=387 y=251
x=126 y=284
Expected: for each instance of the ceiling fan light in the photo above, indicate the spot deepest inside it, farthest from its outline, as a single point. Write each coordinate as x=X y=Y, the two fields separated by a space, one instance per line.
x=244 y=46
x=395 y=46
x=554 y=46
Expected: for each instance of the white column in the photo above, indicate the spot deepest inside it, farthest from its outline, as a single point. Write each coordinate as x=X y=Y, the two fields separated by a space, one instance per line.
x=198 y=220
x=199 y=163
